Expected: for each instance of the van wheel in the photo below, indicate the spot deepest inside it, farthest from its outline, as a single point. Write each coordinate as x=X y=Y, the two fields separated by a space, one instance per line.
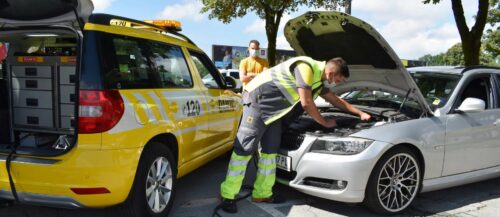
x=155 y=183
x=394 y=182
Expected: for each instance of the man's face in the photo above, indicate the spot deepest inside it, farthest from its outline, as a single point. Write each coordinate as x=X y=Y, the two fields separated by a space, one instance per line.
x=253 y=46
x=333 y=75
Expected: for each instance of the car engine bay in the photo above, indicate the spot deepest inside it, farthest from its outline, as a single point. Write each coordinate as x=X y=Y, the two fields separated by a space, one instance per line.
x=347 y=124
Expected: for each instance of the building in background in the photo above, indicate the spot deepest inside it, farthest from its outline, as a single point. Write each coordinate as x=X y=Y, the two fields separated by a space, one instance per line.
x=229 y=57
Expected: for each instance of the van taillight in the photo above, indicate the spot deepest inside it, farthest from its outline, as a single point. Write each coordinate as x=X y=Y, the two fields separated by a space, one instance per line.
x=99 y=110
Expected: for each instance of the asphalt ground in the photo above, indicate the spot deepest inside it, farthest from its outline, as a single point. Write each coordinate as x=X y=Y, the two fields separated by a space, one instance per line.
x=197 y=196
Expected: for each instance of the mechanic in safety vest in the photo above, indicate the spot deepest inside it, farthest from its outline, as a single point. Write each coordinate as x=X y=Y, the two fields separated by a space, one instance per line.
x=267 y=99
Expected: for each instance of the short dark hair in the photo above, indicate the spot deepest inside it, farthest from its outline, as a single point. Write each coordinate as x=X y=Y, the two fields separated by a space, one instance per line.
x=254 y=41
x=341 y=63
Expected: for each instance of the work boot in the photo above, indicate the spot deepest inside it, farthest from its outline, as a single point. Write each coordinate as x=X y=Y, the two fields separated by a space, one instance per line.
x=229 y=205
x=276 y=199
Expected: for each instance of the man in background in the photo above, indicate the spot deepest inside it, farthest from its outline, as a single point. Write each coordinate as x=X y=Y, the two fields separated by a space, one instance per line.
x=252 y=65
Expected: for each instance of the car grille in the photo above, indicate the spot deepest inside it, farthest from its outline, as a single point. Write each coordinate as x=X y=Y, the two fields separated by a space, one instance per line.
x=318 y=182
x=291 y=141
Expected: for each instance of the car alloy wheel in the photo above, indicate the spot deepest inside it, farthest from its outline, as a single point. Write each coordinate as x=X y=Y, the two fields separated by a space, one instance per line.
x=159 y=184
x=398 y=182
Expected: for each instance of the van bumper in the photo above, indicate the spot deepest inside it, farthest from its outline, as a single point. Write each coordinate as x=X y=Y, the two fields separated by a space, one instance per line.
x=48 y=181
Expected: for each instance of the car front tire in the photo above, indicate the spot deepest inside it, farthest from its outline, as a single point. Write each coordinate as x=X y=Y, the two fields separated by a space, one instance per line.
x=153 y=192
x=394 y=182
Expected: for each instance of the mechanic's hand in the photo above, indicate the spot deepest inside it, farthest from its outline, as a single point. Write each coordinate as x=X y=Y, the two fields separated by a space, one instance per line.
x=330 y=123
x=364 y=116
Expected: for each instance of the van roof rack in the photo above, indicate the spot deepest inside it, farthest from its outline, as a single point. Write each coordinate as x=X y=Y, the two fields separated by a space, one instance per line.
x=107 y=19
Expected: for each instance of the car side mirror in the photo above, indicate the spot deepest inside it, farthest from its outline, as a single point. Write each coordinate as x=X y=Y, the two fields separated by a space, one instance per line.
x=230 y=82
x=470 y=105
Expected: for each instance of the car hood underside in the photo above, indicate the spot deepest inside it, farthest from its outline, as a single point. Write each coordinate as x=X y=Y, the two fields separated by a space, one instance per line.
x=372 y=62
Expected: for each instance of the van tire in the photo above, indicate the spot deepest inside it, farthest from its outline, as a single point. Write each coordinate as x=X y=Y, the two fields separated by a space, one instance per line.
x=136 y=204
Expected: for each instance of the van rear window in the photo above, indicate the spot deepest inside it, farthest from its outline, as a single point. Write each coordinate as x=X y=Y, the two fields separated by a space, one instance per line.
x=133 y=63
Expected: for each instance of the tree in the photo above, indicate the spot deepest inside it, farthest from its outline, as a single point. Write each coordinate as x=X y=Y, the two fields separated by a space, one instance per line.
x=270 y=10
x=492 y=42
x=471 y=38
x=455 y=57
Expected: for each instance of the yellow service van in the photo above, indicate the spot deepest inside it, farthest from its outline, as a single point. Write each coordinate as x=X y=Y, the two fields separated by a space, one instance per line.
x=98 y=110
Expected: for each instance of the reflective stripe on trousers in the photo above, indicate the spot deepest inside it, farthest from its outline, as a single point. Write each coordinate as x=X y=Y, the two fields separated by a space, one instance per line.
x=266 y=176
x=234 y=177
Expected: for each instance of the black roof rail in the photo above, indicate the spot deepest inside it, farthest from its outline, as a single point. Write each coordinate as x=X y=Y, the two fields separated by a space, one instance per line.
x=104 y=19
x=468 y=68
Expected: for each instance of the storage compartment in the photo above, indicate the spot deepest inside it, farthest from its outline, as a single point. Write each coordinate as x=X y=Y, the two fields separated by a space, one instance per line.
x=31 y=83
x=40 y=118
x=32 y=99
x=38 y=86
x=31 y=71
x=67 y=94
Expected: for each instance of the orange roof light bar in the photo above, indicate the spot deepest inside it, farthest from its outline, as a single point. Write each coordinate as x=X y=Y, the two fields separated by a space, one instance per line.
x=166 y=24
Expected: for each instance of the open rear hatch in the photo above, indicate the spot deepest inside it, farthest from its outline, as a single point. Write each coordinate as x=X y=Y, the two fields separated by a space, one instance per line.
x=39 y=54
x=17 y=13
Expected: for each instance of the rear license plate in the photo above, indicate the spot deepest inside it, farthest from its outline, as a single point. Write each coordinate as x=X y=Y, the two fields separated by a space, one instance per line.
x=284 y=162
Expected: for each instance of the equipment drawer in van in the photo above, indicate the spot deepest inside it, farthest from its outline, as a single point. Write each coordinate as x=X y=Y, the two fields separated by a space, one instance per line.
x=67 y=93
x=67 y=109
x=33 y=99
x=67 y=75
x=67 y=122
x=33 y=117
x=32 y=71
x=31 y=83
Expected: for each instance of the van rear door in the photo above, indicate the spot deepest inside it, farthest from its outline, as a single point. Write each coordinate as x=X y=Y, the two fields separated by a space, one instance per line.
x=15 y=13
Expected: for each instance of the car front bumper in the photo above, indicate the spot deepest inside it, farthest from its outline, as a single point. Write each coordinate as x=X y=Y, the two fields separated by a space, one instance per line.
x=317 y=173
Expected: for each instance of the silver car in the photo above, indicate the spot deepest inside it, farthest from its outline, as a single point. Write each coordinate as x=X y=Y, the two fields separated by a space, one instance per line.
x=432 y=128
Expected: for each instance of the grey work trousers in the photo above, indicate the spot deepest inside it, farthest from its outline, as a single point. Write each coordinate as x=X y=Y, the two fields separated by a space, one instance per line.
x=253 y=130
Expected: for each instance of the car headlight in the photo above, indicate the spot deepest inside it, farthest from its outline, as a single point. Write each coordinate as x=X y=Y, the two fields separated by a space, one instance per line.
x=340 y=146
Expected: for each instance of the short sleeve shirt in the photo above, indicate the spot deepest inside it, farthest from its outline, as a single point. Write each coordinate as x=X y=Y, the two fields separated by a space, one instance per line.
x=304 y=76
x=253 y=66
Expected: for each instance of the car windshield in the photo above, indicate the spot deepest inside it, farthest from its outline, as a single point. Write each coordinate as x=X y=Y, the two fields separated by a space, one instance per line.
x=436 y=87
x=365 y=97
x=381 y=99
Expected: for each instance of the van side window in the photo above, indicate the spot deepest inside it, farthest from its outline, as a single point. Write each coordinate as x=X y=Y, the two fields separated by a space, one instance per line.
x=210 y=75
x=134 y=63
x=171 y=65
x=132 y=69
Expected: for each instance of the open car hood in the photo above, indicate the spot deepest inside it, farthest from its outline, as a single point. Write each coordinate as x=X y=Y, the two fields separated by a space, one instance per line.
x=16 y=13
x=372 y=62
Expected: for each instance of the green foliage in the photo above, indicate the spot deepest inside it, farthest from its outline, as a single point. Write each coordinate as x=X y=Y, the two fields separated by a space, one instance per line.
x=454 y=56
x=491 y=42
x=471 y=37
x=494 y=12
x=227 y=10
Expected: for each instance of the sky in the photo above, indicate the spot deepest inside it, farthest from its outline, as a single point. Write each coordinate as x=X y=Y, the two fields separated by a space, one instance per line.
x=411 y=28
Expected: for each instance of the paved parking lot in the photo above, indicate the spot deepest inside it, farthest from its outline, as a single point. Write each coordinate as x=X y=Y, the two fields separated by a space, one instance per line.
x=197 y=196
